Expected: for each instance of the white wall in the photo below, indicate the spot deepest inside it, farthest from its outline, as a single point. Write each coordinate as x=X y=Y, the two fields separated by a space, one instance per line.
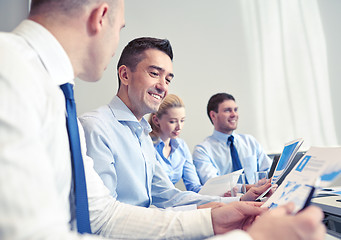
x=12 y=12
x=331 y=19
x=209 y=57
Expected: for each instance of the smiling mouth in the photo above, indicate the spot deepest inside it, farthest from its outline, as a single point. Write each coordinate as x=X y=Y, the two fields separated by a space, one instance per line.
x=156 y=96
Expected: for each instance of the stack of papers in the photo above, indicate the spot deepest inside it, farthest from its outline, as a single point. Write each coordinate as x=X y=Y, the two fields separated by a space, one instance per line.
x=318 y=168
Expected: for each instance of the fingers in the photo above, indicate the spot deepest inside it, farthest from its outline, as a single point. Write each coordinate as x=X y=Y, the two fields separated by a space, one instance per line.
x=228 y=194
x=259 y=190
x=309 y=223
x=248 y=186
x=272 y=190
x=254 y=192
x=312 y=212
x=320 y=232
x=284 y=209
x=280 y=224
x=250 y=208
x=262 y=181
x=255 y=204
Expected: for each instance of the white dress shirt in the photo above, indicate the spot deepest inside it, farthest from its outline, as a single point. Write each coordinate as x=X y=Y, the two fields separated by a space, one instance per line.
x=35 y=165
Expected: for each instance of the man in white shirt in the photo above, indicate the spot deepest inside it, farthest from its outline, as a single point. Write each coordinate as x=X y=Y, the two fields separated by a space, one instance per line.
x=62 y=40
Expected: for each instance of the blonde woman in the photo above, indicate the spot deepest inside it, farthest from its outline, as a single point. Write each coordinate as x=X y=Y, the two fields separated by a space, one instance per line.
x=175 y=156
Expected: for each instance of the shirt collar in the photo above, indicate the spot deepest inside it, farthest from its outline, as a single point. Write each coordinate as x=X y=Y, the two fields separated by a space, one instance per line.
x=173 y=142
x=123 y=114
x=222 y=136
x=52 y=54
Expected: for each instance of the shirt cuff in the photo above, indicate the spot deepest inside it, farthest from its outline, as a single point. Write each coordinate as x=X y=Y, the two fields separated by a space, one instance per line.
x=202 y=218
x=230 y=199
x=235 y=234
x=183 y=207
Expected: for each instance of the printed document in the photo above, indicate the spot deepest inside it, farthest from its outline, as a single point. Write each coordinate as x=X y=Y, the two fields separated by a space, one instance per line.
x=316 y=169
x=217 y=186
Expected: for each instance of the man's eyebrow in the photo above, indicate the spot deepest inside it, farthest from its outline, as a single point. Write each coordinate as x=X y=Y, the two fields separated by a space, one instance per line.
x=161 y=70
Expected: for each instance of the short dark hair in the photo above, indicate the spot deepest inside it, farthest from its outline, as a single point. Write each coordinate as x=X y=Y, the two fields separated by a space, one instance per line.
x=68 y=7
x=215 y=100
x=133 y=53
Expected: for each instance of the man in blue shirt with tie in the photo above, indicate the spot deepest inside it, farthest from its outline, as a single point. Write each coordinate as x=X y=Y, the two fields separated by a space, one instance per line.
x=226 y=151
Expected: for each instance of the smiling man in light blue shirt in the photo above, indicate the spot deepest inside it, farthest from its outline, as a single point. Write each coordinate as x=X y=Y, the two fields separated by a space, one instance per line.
x=212 y=157
x=118 y=138
x=117 y=135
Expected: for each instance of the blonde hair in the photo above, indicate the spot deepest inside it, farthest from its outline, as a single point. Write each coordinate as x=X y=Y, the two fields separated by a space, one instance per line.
x=170 y=101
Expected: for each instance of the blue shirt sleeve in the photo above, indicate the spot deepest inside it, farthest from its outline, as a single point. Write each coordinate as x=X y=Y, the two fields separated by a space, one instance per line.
x=166 y=195
x=190 y=176
x=179 y=164
x=97 y=148
x=204 y=165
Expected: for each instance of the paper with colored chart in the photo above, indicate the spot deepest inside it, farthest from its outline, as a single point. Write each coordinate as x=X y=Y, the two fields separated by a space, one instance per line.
x=318 y=168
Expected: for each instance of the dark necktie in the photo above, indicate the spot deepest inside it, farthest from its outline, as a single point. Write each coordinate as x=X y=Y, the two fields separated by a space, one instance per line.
x=81 y=197
x=236 y=165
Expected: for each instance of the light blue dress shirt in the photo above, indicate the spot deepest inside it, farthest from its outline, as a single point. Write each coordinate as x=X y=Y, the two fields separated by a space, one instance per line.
x=124 y=157
x=179 y=163
x=213 y=158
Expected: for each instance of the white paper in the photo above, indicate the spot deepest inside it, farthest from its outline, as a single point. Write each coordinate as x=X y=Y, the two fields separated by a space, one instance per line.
x=315 y=164
x=217 y=186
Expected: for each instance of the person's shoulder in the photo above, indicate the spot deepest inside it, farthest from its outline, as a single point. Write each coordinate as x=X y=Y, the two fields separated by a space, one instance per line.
x=181 y=141
x=247 y=139
x=8 y=39
x=206 y=144
x=98 y=116
x=245 y=136
x=14 y=50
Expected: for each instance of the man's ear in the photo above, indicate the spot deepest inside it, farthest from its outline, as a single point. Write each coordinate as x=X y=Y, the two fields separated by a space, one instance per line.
x=212 y=115
x=123 y=74
x=98 y=17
